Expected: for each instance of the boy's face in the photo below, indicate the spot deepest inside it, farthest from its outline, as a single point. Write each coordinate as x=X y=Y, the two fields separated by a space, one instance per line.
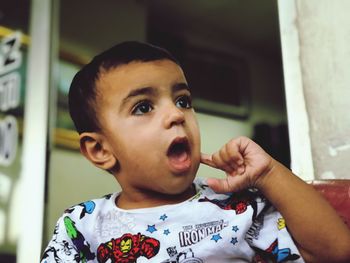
x=145 y=112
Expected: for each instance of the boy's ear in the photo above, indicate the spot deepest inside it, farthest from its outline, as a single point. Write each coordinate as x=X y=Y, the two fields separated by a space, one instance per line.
x=96 y=149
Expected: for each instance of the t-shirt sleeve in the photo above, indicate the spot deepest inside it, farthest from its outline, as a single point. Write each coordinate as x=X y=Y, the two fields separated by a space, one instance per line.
x=60 y=248
x=67 y=244
x=269 y=237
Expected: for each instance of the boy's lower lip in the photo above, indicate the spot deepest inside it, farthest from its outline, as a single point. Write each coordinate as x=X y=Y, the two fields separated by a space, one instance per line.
x=180 y=163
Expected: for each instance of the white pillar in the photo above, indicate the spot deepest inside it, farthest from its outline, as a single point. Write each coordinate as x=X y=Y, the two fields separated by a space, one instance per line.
x=298 y=121
x=35 y=132
x=321 y=55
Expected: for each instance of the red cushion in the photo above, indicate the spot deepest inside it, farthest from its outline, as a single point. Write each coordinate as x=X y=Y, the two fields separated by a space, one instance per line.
x=337 y=192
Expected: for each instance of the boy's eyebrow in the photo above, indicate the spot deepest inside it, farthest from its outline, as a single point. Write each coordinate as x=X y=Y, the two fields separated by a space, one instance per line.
x=180 y=86
x=140 y=91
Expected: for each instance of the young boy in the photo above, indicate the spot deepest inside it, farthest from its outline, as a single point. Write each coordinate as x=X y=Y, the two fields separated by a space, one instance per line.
x=132 y=108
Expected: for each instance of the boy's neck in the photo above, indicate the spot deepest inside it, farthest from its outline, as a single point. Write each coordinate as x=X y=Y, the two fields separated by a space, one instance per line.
x=140 y=199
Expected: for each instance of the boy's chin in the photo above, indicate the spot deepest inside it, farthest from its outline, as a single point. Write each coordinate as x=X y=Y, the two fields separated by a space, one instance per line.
x=181 y=189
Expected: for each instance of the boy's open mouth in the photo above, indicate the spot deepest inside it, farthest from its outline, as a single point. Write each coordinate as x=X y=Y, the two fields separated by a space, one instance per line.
x=179 y=154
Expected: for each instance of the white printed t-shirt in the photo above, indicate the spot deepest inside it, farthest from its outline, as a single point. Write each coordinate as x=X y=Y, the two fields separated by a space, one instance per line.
x=209 y=227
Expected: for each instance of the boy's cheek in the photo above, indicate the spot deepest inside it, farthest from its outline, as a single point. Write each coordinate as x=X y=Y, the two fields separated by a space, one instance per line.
x=197 y=155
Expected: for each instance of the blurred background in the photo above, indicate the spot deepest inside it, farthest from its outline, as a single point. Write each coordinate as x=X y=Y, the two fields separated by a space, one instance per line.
x=231 y=54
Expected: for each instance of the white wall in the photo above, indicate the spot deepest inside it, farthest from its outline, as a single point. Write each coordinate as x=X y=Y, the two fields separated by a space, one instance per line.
x=324 y=30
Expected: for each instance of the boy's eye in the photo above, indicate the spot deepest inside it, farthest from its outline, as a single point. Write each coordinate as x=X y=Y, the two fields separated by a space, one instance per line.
x=184 y=102
x=142 y=108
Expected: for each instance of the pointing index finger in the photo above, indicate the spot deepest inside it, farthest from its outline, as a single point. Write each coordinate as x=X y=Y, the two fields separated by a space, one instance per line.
x=207 y=160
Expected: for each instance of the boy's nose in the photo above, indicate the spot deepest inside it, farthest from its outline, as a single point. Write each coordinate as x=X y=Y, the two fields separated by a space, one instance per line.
x=173 y=116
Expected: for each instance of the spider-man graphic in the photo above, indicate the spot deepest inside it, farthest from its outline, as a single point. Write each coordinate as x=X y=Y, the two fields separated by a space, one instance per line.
x=237 y=201
x=276 y=254
x=128 y=248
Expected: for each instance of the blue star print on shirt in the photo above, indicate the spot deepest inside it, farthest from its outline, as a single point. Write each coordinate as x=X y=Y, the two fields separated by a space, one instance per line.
x=151 y=228
x=216 y=237
x=235 y=228
x=234 y=240
x=163 y=217
x=166 y=232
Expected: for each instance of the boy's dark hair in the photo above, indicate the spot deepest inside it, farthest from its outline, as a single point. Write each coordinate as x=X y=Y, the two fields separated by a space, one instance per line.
x=82 y=93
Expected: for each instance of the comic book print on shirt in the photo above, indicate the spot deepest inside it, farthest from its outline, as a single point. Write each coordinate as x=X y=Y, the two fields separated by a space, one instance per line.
x=87 y=208
x=193 y=234
x=78 y=240
x=276 y=254
x=238 y=202
x=181 y=257
x=62 y=248
x=128 y=248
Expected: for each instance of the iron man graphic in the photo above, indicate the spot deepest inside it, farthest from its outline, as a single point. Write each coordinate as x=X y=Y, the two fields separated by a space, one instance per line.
x=128 y=248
